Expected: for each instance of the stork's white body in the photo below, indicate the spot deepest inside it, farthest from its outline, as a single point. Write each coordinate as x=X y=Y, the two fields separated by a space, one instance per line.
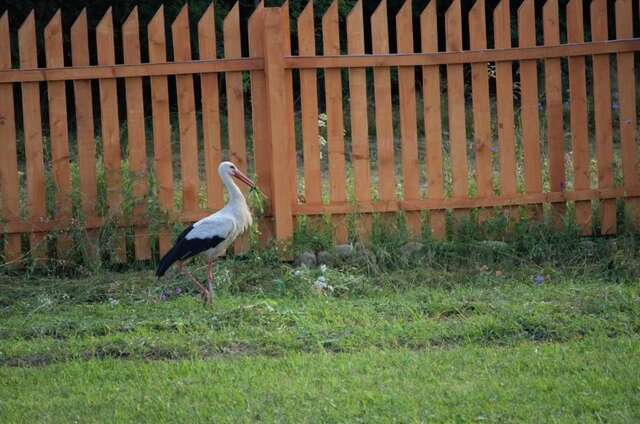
x=228 y=223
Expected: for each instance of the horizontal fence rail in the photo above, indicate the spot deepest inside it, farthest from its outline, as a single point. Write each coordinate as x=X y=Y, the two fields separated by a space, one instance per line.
x=104 y=157
x=130 y=71
x=458 y=58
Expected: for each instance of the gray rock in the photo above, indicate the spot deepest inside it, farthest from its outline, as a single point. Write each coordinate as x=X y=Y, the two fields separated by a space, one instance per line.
x=411 y=248
x=494 y=244
x=326 y=258
x=343 y=251
x=307 y=259
x=588 y=244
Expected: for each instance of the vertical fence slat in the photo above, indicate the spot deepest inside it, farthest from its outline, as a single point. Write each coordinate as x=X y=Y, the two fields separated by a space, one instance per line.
x=432 y=119
x=59 y=132
x=235 y=101
x=553 y=93
x=9 y=181
x=578 y=115
x=529 y=107
x=628 y=120
x=383 y=111
x=456 y=107
x=210 y=110
x=235 y=104
x=275 y=77
x=481 y=106
x=292 y=156
x=602 y=110
x=161 y=124
x=110 y=128
x=335 y=125
x=33 y=136
x=136 y=133
x=261 y=147
x=504 y=100
x=84 y=126
x=408 y=118
x=309 y=109
x=186 y=114
x=359 y=117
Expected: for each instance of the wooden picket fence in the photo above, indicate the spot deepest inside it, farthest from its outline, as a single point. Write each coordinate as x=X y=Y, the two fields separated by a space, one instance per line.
x=273 y=70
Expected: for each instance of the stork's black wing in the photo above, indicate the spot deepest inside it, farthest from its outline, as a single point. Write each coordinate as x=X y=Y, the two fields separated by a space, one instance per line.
x=185 y=248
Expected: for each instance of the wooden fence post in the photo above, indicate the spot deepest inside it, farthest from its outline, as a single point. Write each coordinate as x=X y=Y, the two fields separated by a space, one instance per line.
x=277 y=121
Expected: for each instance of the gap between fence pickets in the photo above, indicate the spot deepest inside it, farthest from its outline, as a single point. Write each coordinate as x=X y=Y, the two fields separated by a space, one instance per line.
x=16 y=227
x=327 y=61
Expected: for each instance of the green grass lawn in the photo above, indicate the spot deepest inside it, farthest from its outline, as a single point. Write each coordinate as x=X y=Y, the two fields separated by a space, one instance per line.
x=438 y=338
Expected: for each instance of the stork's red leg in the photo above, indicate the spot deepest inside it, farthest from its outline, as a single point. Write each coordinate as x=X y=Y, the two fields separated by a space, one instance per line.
x=210 y=277
x=199 y=286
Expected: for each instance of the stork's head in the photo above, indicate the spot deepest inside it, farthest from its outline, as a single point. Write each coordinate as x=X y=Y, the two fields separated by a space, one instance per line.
x=228 y=168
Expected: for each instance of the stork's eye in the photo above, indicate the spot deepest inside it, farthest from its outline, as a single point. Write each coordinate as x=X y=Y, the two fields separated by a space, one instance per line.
x=233 y=167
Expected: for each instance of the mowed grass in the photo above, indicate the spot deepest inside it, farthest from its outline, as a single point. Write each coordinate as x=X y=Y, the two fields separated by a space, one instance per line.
x=588 y=380
x=453 y=334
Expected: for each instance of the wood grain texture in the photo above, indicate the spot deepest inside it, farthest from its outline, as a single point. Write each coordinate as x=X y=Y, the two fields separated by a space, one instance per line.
x=186 y=114
x=58 y=130
x=602 y=110
x=529 y=108
x=335 y=123
x=292 y=156
x=110 y=130
x=275 y=75
x=210 y=111
x=627 y=118
x=408 y=119
x=84 y=117
x=163 y=158
x=417 y=59
x=137 y=145
x=480 y=99
x=383 y=111
x=261 y=146
x=9 y=182
x=554 y=110
x=309 y=109
x=432 y=120
x=358 y=109
x=32 y=121
x=456 y=109
x=579 y=116
x=235 y=106
x=504 y=98
x=85 y=136
x=465 y=202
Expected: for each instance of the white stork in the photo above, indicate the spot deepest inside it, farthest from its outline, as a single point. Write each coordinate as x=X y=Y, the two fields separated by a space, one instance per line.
x=214 y=233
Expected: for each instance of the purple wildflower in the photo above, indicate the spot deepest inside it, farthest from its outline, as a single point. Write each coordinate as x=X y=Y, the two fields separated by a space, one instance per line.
x=178 y=290
x=539 y=280
x=494 y=149
x=562 y=185
x=164 y=295
x=615 y=106
x=540 y=105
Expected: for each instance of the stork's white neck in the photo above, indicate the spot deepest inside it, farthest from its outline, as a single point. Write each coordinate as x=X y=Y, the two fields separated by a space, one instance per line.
x=235 y=194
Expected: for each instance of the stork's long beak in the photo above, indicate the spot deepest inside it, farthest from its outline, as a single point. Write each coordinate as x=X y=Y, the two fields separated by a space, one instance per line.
x=239 y=175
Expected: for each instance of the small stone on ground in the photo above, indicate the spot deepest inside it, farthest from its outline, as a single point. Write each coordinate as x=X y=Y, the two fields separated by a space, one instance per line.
x=307 y=259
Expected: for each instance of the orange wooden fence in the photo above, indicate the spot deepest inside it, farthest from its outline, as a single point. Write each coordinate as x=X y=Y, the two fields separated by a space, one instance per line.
x=499 y=141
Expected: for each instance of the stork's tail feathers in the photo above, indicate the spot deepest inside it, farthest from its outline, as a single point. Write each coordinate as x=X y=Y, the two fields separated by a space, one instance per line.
x=167 y=260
